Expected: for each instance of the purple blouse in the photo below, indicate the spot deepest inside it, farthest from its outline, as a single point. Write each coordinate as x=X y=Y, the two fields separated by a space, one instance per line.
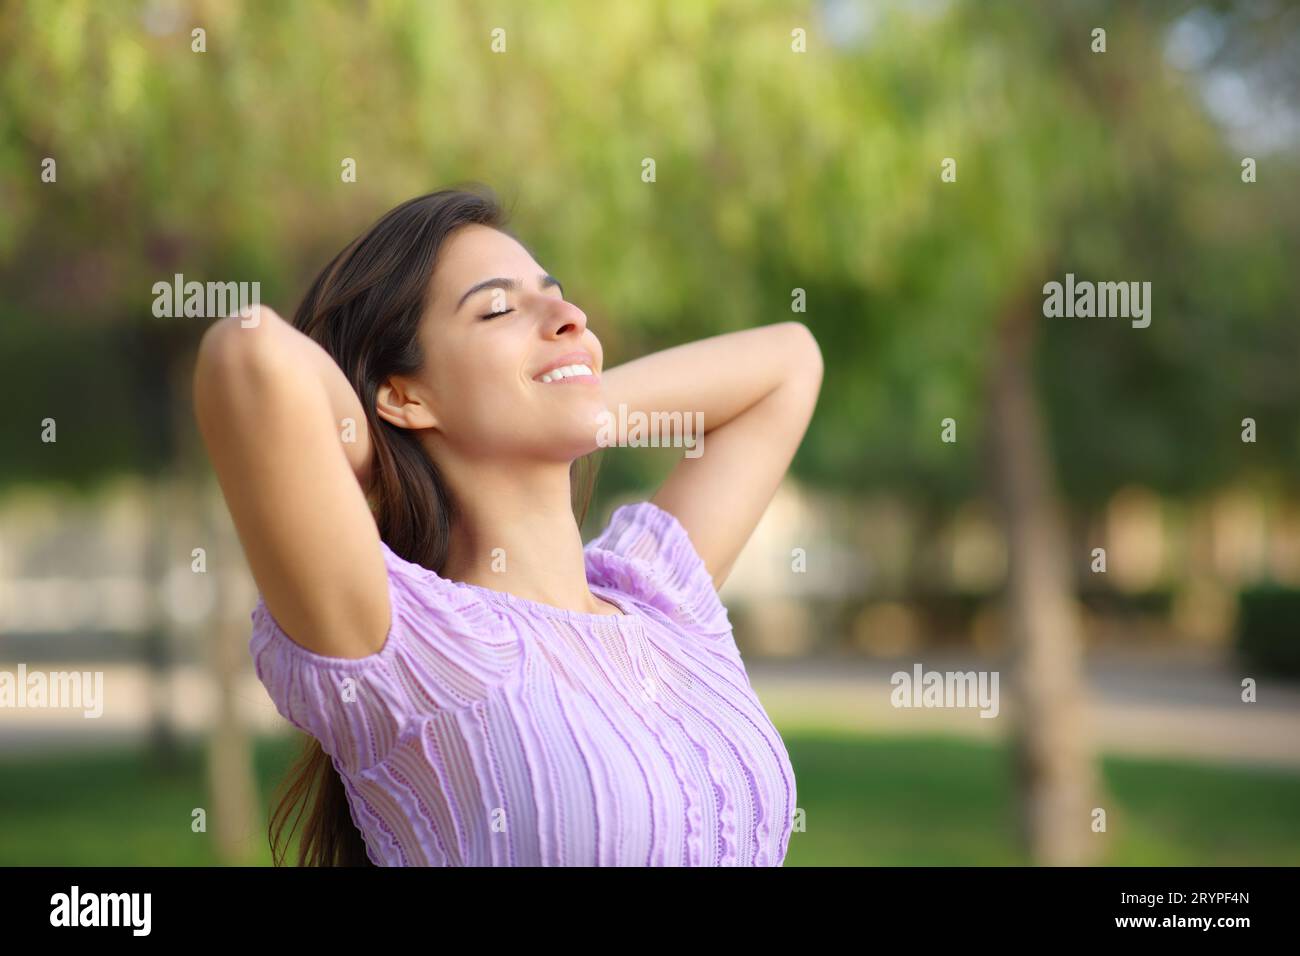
x=491 y=730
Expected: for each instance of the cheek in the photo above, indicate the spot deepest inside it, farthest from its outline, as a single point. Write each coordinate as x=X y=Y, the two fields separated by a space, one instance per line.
x=482 y=399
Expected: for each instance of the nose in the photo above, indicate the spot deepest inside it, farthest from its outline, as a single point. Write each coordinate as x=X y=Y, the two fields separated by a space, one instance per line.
x=564 y=318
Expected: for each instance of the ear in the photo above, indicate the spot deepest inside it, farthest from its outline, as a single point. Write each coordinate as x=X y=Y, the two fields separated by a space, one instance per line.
x=399 y=401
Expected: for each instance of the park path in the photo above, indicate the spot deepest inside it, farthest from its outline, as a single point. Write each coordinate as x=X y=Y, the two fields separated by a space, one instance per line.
x=1180 y=703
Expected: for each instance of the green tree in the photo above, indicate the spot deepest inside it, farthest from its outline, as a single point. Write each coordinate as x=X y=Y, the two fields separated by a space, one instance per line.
x=774 y=170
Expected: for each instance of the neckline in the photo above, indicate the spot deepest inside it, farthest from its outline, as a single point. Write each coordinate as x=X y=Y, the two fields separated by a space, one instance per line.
x=505 y=598
x=514 y=601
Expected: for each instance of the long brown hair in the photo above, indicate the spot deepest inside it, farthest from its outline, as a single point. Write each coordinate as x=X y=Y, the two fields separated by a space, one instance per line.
x=364 y=308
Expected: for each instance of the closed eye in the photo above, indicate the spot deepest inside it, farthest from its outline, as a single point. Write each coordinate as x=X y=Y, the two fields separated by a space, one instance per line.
x=493 y=315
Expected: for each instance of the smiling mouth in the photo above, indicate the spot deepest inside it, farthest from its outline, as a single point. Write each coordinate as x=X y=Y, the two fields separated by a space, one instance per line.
x=577 y=372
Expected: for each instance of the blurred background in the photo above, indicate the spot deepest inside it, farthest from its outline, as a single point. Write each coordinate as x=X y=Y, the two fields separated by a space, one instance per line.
x=1106 y=516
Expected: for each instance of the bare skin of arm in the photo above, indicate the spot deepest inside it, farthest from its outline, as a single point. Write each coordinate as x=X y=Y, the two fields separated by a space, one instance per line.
x=270 y=405
x=757 y=389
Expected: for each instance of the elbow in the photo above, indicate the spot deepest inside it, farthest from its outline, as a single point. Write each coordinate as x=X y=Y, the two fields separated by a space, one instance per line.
x=234 y=352
x=236 y=342
x=803 y=352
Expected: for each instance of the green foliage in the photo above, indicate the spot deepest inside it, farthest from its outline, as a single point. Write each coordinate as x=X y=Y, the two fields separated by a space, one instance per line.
x=775 y=170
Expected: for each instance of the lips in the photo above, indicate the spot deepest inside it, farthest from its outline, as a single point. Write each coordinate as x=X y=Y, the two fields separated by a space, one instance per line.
x=562 y=361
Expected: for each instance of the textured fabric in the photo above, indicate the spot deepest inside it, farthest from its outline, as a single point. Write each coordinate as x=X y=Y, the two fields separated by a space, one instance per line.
x=491 y=730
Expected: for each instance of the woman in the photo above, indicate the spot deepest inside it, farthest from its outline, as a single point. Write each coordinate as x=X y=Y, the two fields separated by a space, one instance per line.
x=482 y=689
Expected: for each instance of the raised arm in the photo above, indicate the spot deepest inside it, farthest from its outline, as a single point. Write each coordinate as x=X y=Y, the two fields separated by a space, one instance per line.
x=756 y=389
x=271 y=404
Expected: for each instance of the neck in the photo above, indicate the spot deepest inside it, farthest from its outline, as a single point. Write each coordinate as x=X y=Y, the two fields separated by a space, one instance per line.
x=515 y=531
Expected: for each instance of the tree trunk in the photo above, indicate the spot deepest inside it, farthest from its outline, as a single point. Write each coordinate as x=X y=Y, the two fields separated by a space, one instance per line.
x=1056 y=780
x=156 y=647
x=234 y=820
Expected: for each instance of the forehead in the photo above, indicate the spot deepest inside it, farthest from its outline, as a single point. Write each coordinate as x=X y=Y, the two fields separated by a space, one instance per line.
x=474 y=253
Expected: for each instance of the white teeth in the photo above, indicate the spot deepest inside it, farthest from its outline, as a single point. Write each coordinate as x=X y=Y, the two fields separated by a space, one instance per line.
x=565 y=371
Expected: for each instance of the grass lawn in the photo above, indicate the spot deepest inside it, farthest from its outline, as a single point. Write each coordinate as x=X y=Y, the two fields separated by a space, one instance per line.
x=867 y=800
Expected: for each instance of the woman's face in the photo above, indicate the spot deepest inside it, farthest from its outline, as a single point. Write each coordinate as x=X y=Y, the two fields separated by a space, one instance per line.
x=496 y=323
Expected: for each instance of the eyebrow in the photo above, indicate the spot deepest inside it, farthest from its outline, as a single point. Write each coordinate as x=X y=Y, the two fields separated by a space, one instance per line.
x=510 y=285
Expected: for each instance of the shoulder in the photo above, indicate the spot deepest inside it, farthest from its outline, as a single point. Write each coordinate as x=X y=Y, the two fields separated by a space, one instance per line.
x=645 y=551
x=444 y=649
